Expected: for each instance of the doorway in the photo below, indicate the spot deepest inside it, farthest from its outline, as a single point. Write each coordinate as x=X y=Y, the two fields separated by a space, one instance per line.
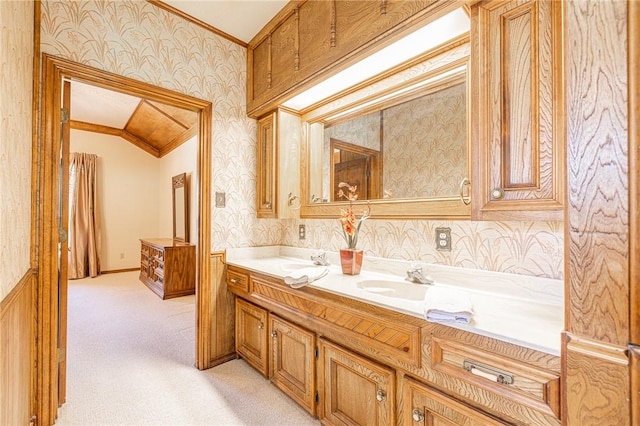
x=54 y=71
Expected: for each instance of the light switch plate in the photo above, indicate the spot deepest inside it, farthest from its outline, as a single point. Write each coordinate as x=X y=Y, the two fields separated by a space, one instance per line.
x=443 y=239
x=220 y=199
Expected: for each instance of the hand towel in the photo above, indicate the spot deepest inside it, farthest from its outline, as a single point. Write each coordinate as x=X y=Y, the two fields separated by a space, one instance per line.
x=447 y=305
x=305 y=276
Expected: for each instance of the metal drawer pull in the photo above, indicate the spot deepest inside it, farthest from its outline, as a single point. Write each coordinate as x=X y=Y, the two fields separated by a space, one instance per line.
x=488 y=372
x=235 y=281
x=381 y=395
x=417 y=415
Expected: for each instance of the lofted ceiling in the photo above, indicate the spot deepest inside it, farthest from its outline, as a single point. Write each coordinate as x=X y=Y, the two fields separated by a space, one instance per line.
x=151 y=126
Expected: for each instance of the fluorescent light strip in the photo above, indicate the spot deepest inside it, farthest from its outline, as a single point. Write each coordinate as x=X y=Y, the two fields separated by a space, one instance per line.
x=437 y=32
x=396 y=93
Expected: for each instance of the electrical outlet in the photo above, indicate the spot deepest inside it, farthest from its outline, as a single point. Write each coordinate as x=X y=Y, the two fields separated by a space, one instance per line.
x=220 y=199
x=302 y=232
x=443 y=239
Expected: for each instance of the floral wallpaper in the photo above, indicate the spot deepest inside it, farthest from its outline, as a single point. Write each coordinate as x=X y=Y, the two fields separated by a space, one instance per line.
x=16 y=88
x=136 y=39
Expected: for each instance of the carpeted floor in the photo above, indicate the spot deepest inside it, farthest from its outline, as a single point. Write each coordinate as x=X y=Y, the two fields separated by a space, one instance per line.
x=131 y=362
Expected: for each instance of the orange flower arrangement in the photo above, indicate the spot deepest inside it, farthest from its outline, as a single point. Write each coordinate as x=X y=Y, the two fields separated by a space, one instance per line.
x=350 y=223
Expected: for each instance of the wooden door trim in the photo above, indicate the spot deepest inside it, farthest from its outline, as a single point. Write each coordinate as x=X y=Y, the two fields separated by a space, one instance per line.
x=53 y=71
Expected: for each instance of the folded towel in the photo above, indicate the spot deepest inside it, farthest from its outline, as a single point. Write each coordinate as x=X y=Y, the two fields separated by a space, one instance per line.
x=447 y=305
x=305 y=276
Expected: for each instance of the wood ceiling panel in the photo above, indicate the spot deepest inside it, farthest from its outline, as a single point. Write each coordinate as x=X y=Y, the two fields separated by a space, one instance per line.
x=185 y=117
x=153 y=126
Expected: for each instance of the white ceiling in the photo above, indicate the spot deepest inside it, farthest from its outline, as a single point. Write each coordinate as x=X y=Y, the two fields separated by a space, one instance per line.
x=239 y=18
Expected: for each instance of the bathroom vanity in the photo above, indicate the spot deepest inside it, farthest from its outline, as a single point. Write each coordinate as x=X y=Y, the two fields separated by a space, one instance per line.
x=351 y=355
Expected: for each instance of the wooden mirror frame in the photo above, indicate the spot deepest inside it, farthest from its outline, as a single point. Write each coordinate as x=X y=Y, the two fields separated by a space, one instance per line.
x=180 y=181
x=441 y=207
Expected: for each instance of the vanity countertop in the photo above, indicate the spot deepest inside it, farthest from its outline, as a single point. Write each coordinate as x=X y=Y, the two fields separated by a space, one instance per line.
x=519 y=309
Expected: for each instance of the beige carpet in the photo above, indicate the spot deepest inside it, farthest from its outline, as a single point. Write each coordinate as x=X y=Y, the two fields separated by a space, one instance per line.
x=131 y=362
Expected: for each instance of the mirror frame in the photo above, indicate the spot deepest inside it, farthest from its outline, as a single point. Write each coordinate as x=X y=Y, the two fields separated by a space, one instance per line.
x=180 y=181
x=445 y=207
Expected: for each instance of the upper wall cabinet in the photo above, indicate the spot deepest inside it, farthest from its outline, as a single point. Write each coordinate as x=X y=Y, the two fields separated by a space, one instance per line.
x=311 y=40
x=278 y=165
x=517 y=110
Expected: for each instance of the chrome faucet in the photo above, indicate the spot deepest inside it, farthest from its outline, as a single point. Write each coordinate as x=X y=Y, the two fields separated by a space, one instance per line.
x=320 y=259
x=416 y=276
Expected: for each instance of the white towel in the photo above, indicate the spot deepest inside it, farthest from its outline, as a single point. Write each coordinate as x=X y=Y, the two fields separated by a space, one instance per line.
x=305 y=276
x=447 y=305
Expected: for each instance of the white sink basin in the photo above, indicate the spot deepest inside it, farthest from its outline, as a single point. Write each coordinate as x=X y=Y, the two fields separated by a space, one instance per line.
x=395 y=289
x=288 y=267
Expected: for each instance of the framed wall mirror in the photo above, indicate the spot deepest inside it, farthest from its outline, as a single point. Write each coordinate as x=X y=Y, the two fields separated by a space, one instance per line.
x=180 y=208
x=405 y=149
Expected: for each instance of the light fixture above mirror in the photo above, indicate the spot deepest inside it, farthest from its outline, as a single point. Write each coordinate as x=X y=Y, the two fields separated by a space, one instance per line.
x=436 y=33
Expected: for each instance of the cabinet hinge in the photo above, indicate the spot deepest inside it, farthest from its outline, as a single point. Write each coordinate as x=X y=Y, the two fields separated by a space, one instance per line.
x=316 y=397
x=62 y=354
x=64 y=115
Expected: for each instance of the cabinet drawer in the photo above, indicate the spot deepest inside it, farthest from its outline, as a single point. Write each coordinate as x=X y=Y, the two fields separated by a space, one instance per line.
x=425 y=406
x=237 y=281
x=531 y=386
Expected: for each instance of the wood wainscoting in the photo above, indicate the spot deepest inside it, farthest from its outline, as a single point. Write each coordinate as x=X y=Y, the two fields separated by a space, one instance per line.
x=17 y=341
x=222 y=313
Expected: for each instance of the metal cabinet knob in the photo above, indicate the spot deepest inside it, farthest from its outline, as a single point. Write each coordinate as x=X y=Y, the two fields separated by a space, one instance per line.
x=260 y=325
x=497 y=193
x=381 y=395
x=274 y=334
x=417 y=415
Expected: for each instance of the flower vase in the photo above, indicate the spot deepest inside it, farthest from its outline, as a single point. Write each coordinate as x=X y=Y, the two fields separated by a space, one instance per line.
x=351 y=261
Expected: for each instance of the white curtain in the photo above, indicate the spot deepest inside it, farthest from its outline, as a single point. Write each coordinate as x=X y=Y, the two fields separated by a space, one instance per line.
x=84 y=222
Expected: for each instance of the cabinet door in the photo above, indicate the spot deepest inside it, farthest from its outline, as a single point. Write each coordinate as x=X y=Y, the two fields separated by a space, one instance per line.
x=517 y=110
x=425 y=406
x=267 y=172
x=251 y=335
x=354 y=390
x=292 y=364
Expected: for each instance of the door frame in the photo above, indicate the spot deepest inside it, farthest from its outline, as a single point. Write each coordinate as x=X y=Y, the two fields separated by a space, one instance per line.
x=54 y=69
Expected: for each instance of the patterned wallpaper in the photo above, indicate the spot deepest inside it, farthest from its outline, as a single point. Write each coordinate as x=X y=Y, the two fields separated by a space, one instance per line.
x=425 y=144
x=16 y=69
x=138 y=40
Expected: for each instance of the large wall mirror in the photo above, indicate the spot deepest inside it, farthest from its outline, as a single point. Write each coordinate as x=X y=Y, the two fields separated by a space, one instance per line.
x=180 y=208
x=406 y=150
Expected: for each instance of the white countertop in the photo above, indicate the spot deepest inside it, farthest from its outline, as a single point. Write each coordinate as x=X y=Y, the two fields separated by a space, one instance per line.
x=519 y=309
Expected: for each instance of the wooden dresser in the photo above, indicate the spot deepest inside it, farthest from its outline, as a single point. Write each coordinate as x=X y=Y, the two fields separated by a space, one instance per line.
x=168 y=267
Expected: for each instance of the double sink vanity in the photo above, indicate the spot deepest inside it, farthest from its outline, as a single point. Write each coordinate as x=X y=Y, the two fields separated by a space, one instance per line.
x=358 y=350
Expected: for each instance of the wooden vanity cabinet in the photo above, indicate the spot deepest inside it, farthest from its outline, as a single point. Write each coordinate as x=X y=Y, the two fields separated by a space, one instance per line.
x=367 y=354
x=423 y=405
x=278 y=165
x=517 y=110
x=251 y=335
x=292 y=366
x=354 y=390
